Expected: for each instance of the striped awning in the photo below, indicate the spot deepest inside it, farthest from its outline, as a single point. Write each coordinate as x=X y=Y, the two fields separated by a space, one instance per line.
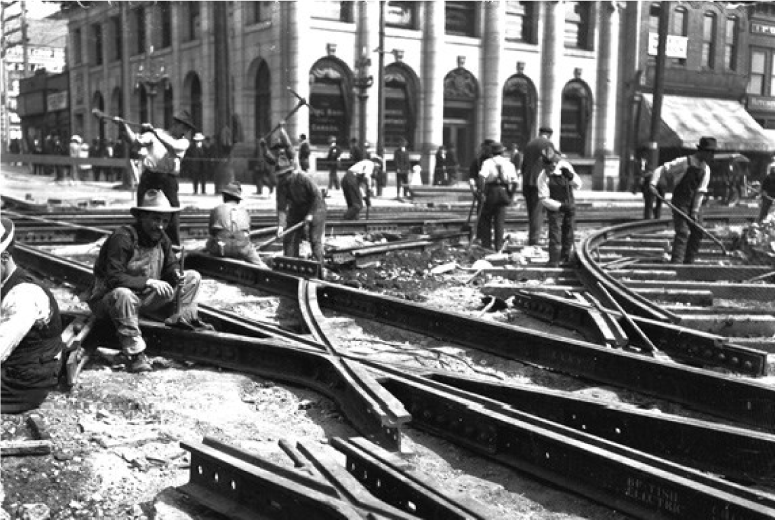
x=686 y=119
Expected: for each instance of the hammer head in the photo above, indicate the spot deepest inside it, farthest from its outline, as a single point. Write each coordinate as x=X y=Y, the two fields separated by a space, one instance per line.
x=302 y=101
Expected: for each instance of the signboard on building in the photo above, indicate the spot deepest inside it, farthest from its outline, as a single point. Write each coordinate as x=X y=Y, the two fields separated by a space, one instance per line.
x=56 y=101
x=676 y=45
x=762 y=28
x=761 y=103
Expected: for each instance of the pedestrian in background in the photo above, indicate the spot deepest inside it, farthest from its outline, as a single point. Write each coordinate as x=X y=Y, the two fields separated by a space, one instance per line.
x=304 y=153
x=532 y=166
x=401 y=163
x=229 y=228
x=452 y=165
x=332 y=158
x=379 y=175
x=515 y=156
x=194 y=165
x=499 y=181
x=356 y=187
x=691 y=176
x=262 y=169
x=74 y=151
x=652 y=205
x=475 y=181
x=556 y=184
x=767 y=191
x=440 y=169
x=357 y=153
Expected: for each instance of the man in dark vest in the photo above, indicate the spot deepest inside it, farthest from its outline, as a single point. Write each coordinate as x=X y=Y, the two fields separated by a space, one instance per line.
x=304 y=152
x=30 y=333
x=691 y=176
x=556 y=184
x=532 y=166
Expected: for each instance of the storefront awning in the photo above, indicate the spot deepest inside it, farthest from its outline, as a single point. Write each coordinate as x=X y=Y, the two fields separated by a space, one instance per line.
x=686 y=119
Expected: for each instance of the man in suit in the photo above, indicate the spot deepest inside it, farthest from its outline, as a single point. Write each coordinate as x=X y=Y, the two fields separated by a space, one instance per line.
x=532 y=166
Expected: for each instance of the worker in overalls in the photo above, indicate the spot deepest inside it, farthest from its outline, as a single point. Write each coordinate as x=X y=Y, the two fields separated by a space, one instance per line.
x=229 y=228
x=691 y=176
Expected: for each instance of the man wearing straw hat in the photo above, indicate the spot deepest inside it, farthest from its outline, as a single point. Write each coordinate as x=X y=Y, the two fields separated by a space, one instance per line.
x=30 y=333
x=137 y=274
x=161 y=164
x=229 y=228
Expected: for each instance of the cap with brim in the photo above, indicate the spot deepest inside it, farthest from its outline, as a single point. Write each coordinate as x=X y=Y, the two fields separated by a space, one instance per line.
x=545 y=130
x=185 y=117
x=234 y=189
x=199 y=136
x=496 y=148
x=7 y=232
x=707 y=144
x=154 y=201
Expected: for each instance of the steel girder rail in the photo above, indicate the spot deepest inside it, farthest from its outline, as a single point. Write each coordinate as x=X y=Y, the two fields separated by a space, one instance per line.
x=629 y=480
x=744 y=401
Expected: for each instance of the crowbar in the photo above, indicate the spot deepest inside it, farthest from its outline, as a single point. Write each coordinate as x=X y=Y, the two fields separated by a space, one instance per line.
x=692 y=222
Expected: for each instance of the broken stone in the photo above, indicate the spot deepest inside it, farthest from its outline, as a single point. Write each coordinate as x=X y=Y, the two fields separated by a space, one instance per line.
x=35 y=512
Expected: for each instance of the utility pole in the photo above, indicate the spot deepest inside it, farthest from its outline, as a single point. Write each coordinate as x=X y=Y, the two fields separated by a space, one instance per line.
x=659 y=86
x=381 y=88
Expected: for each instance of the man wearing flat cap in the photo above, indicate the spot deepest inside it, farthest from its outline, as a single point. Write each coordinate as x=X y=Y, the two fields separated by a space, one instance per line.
x=161 y=164
x=138 y=274
x=691 y=176
x=532 y=166
x=557 y=183
x=30 y=333
x=230 y=228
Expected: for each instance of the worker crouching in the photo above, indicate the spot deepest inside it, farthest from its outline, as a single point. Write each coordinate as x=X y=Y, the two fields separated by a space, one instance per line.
x=229 y=228
x=556 y=183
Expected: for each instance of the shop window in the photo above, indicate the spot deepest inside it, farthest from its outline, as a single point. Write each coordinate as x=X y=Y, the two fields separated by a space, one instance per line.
x=401 y=14
x=331 y=91
x=520 y=21
x=332 y=10
x=96 y=44
x=578 y=25
x=708 y=40
x=460 y=18
x=679 y=27
x=730 y=43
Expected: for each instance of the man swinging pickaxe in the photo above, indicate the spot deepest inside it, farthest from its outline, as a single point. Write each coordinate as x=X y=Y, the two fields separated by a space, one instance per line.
x=302 y=102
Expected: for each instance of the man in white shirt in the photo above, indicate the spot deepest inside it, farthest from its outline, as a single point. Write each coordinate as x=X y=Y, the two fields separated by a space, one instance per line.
x=500 y=182
x=555 y=184
x=30 y=333
x=359 y=176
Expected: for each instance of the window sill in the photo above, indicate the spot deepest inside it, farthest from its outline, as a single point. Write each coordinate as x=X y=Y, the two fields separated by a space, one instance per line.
x=579 y=53
x=258 y=26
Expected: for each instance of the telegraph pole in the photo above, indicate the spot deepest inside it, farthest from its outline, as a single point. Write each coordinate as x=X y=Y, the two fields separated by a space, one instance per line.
x=381 y=87
x=659 y=86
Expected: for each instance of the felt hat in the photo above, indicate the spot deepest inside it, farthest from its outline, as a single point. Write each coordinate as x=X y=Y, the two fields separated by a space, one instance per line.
x=496 y=148
x=154 y=201
x=76 y=138
x=332 y=139
x=545 y=130
x=707 y=144
x=199 y=136
x=550 y=155
x=184 y=116
x=488 y=142
x=6 y=233
x=234 y=189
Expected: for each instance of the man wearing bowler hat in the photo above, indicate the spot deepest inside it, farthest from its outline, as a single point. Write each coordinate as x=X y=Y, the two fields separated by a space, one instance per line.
x=691 y=176
x=161 y=164
x=230 y=228
x=30 y=333
x=138 y=274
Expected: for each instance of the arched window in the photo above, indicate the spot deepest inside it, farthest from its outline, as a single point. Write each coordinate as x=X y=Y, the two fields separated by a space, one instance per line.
x=331 y=93
x=263 y=104
x=518 y=112
x=401 y=86
x=117 y=102
x=143 y=105
x=195 y=98
x=461 y=92
x=575 y=117
x=168 y=107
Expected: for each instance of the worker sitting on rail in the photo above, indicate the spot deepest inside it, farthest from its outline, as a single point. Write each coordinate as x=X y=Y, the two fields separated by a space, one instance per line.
x=355 y=183
x=499 y=180
x=137 y=273
x=768 y=192
x=555 y=184
x=229 y=228
x=691 y=177
x=30 y=333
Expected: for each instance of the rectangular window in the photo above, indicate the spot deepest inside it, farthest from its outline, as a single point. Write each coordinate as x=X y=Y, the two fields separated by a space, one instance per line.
x=194 y=20
x=115 y=27
x=757 y=74
x=165 y=12
x=138 y=24
x=460 y=18
x=730 y=44
x=401 y=14
x=654 y=10
x=332 y=10
x=520 y=21
x=578 y=25
x=709 y=40
x=257 y=12
x=96 y=40
x=771 y=90
x=679 y=27
x=77 y=47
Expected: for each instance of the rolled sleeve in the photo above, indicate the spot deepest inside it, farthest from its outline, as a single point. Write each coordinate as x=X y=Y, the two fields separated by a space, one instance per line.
x=24 y=305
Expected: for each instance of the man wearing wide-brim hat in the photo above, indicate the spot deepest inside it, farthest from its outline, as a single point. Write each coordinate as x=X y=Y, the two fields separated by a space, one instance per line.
x=30 y=333
x=161 y=164
x=691 y=176
x=229 y=228
x=138 y=274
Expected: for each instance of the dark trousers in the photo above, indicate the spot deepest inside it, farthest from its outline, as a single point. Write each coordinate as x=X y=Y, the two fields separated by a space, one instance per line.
x=353 y=196
x=402 y=180
x=561 y=225
x=199 y=178
x=168 y=184
x=652 y=205
x=765 y=209
x=292 y=240
x=333 y=179
x=493 y=220
x=686 y=243
x=263 y=178
x=535 y=214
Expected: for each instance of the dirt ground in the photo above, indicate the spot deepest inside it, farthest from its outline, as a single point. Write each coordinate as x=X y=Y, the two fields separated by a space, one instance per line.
x=116 y=435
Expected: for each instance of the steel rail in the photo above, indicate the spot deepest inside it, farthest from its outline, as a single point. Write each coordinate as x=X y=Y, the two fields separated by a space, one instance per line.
x=744 y=401
x=623 y=478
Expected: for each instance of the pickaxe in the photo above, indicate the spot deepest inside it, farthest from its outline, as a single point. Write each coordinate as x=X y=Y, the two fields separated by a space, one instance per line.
x=99 y=114
x=302 y=102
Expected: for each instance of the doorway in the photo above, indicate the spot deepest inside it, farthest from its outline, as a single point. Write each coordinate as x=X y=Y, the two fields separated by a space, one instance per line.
x=457 y=134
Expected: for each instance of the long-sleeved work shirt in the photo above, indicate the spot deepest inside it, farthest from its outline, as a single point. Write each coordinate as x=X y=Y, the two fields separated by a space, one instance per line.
x=25 y=305
x=297 y=196
x=158 y=158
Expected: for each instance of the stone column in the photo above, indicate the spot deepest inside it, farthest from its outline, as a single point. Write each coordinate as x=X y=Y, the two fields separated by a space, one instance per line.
x=606 y=173
x=368 y=38
x=206 y=61
x=432 y=95
x=553 y=72
x=492 y=46
x=300 y=57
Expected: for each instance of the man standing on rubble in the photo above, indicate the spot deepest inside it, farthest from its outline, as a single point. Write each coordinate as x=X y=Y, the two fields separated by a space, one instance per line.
x=499 y=178
x=691 y=177
x=355 y=182
x=532 y=166
x=556 y=184
x=30 y=333
x=137 y=274
x=229 y=228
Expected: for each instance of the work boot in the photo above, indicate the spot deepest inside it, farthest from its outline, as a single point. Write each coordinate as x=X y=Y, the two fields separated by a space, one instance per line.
x=134 y=363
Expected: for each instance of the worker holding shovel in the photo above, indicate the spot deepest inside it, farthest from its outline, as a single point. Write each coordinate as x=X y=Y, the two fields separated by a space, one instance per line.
x=691 y=176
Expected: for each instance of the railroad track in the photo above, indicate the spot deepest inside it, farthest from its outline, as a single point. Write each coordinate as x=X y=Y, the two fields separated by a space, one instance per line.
x=553 y=435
